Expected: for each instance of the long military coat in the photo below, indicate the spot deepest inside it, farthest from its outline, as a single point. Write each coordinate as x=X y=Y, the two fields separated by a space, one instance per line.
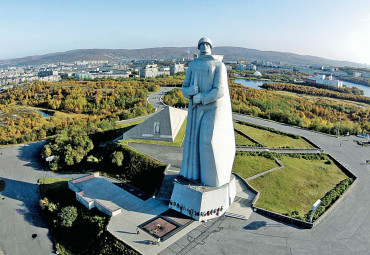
x=209 y=145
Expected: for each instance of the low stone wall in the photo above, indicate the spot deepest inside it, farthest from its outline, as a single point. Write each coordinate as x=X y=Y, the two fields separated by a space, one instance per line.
x=336 y=204
x=86 y=177
x=88 y=204
x=279 y=150
x=158 y=188
x=342 y=167
x=281 y=123
x=283 y=218
x=106 y=210
x=250 y=138
x=343 y=196
x=310 y=142
x=294 y=221
x=280 y=165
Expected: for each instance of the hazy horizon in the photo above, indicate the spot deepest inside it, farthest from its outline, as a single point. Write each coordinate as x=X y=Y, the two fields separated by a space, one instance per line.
x=336 y=30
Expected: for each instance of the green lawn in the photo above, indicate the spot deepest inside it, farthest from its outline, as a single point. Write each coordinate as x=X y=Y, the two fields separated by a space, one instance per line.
x=297 y=185
x=44 y=181
x=241 y=140
x=270 y=139
x=247 y=166
x=178 y=140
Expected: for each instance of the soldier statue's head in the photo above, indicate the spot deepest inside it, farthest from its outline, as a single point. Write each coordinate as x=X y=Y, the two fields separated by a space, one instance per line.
x=205 y=46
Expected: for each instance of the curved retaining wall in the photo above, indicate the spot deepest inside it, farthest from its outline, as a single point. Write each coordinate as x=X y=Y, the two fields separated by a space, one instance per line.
x=294 y=221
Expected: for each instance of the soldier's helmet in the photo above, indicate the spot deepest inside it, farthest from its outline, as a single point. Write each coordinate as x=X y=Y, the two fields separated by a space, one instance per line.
x=205 y=40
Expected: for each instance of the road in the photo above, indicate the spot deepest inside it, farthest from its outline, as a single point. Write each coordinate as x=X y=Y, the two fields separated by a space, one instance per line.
x=20 y=213
x=154 y=99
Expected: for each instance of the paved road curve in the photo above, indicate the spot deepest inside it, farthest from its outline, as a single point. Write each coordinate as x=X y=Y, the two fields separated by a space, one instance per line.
x=153 y=99
x=20 y=213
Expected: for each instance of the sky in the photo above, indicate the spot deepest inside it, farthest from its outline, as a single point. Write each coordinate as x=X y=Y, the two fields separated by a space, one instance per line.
x=334 y=29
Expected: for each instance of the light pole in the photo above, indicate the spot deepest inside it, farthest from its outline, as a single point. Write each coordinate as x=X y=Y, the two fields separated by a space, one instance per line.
x=340 y=119
x=239 y=103
x=146 y=105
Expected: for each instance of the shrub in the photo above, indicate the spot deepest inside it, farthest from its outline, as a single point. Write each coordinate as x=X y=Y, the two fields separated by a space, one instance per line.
x=92 y=159
x=52 y=207
x=117 y=158
x=341 y=188
x=44 y=203
x=320 y=210
x=326 y=201
x=67 y=216
x=333 y=195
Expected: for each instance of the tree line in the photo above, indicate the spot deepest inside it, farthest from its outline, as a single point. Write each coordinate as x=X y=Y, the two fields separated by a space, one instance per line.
x=89 y=104
x=301 y=89
x=316 y=114
x=358 y=80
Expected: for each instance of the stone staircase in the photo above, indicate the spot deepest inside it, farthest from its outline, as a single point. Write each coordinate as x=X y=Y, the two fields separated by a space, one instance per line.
x=236 y=216
x=243 y=200
x=240 y=209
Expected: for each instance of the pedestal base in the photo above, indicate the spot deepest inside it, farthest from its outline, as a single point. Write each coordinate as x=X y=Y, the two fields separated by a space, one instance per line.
x=202 y=202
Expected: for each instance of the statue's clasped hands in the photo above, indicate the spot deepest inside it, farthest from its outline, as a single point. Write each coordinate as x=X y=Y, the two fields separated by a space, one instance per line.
x=197 y=97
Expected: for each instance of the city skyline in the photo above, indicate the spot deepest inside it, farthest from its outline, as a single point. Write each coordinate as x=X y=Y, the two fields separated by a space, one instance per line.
x=332 y=29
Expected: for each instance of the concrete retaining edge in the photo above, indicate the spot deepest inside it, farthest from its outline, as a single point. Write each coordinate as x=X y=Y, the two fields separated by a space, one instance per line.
x=335 y=205
x=280 y=165
x=277 y=150
x=158 y=188
x=284 y=124
x=294 y=221
x=250 y=138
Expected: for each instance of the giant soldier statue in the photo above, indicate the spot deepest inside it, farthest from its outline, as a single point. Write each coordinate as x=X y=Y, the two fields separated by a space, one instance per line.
x=209 y=146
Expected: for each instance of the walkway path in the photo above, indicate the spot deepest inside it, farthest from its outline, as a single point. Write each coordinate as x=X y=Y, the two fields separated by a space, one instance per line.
x=278 y=150
x=266 y=172
x=153 y=99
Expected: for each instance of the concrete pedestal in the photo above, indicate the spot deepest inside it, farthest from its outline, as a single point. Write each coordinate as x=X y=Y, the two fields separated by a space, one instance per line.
x=202 y=202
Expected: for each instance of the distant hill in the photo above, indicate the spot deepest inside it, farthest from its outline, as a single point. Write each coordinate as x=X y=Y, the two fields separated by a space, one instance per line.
x=230 y=53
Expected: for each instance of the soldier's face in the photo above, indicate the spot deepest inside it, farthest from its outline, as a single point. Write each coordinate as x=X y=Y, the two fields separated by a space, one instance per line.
x=205 y=49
